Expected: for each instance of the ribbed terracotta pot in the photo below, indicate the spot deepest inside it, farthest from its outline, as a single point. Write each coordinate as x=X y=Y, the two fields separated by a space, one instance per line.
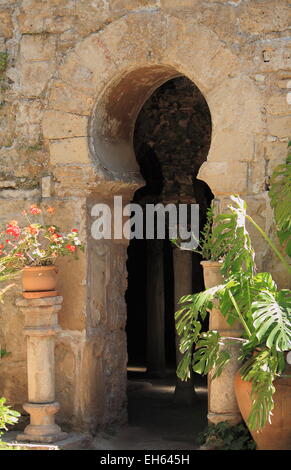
x=277 y=434
x=39 y=281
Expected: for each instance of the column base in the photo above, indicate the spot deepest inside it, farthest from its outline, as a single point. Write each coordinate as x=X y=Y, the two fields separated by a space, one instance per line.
x=42 y=427
x=231 y=418
x=49 y=438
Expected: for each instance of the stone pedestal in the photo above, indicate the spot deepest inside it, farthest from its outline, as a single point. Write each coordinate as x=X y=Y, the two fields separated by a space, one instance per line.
x=222 y=404
x=184 y=391
x=156 y=356
x=41 y=326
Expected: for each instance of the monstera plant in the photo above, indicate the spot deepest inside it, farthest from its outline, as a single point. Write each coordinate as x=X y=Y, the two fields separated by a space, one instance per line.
x=253 y=299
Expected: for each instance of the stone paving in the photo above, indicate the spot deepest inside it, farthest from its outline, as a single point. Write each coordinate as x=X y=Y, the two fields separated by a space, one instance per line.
x=155 y=421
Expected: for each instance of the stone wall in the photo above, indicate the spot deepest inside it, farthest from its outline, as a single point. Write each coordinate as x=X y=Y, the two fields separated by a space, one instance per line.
x=64 y=60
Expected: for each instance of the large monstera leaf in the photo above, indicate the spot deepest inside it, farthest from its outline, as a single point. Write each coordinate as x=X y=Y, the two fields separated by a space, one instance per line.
x=272 y=319
x=231 y=229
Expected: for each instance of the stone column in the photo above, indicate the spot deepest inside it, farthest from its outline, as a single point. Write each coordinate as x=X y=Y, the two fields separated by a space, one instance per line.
x=156 y=356
x=182 y=259
x=222 y=404
x=41 y=326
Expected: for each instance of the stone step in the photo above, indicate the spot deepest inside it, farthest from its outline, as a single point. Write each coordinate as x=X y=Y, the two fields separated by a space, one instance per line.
x=74 y=441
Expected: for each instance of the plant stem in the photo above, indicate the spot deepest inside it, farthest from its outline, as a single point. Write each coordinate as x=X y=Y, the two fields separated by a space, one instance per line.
x=239 y=314
x=269 y=241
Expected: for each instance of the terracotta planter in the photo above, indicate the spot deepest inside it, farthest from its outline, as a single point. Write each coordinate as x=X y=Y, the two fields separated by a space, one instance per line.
x=39 y=281
x=211 y=273
x=213 y=277
x=277 y=435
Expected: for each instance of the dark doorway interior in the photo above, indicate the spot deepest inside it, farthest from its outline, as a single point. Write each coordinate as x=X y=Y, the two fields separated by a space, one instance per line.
x=171 y=141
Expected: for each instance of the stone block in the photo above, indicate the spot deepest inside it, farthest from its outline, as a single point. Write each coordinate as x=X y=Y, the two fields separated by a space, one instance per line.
x=275 y=151
x=91 y=15
x=53 y=17
x=273 y=57
x=65 y=98
x=257 y=176
x=236 y=115
x=263 y=17
x=173 y=5
x=277 y=104
x=134 y=52
x=279 y=126
x=72 y=150
x=46 y=186
x=6 y=25
x=225 y=177
x=28 y=121
x=95 y=55
x=77 y=74
x=37 y=48
x=91 y=391
x=7 y=124
x=60 y=125
x=13 y=382
x=73 y=441
x=126 y=5
x=66 y=375
x=34 y=77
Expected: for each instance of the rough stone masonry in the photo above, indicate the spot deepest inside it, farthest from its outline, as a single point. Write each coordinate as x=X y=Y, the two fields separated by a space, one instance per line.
x=73 y=77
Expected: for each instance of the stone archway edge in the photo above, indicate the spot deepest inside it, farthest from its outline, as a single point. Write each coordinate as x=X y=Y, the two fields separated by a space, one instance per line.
x=148 y=39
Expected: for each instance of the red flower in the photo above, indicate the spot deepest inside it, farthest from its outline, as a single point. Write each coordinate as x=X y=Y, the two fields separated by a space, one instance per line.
x=50 y=210
x=71 y=248
x=19 y=254
x=13 y=230
x=75 y=230
x=52 y=229
x=34 y=210
x=1 y=246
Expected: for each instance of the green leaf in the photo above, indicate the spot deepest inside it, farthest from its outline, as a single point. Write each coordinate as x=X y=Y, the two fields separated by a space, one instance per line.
x=272 y=319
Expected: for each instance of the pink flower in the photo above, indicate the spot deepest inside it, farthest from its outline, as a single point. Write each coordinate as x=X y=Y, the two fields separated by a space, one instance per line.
x=34 y=210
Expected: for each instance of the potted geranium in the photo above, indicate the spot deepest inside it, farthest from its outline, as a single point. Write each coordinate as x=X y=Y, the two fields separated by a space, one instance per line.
x=34 y=247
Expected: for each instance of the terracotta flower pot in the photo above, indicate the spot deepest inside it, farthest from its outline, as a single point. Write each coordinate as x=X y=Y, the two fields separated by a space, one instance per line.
x=211 y=273
x=39 y=281
x=277 y=434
